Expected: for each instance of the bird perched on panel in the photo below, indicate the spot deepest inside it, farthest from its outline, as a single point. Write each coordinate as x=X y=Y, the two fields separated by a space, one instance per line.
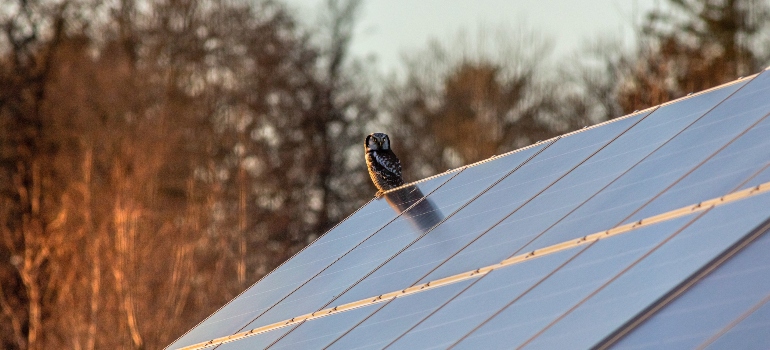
x=383 y=165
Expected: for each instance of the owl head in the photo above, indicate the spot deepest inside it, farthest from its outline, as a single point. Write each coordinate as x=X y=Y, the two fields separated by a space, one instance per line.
x=377 y=142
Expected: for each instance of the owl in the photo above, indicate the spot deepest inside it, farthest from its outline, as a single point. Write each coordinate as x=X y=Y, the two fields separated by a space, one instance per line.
x=383 y=165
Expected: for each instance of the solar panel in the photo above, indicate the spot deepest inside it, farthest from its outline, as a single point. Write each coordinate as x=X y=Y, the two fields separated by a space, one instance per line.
x=259 y=341
x=733 y=168
x=474 y=305
x=702 y=142
x=578 y=241
x=762 y=176
x=317 y=333
x=639 y=183
x=750 y=332
x=698 y=316
x=593 y=266
x=647 y=280
x=390 y=320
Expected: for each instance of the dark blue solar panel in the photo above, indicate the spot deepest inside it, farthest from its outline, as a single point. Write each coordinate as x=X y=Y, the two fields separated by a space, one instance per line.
x=578 y=190
x=324 y=288
x=595 y=266
x=728 y=171
x=375 y=331
x=701 y=138
x=317 y=333
x=762 y=176
x=513 y=191
x=710 y=305
x=478 y=302
x=303 y=266
x=259 y=341
x=728 y=168
x=648 y=280
x=750 y=332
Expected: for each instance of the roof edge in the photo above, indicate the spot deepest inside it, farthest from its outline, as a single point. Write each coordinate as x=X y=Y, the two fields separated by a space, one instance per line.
x=553 y=139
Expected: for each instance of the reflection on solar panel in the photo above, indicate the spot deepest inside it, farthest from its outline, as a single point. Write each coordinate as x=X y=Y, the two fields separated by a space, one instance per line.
x=647 y=231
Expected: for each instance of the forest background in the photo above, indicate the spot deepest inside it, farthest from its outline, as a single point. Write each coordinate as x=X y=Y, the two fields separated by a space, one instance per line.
x=157 y=157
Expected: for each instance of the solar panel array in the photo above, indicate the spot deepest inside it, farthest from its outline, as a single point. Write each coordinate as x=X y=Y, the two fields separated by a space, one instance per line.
x=646 y=231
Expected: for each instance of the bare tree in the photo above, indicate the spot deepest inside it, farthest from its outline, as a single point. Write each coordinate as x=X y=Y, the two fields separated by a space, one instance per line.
x=459 y=105
x=152 y=164
x=344 y=104
x=692 y=45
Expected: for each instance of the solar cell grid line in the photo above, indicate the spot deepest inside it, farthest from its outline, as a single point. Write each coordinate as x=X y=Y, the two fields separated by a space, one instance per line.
x=258 y=341
x=491 y=293
x=548 y=167
x=629 y=294
x=746 y=332
x=737 y=163
x=318 y=334
x=518 y=280
x=575 y=336
x=311 y=261
x=727 y=288
x=312 y=334
x=613 y=204
x=744 y=111
x=541 y=305
x=384 y=325
x=713 y=299
x=761 y=176
x=635 y=145
x=730 y=166
x=346 y=271
x=688 y=282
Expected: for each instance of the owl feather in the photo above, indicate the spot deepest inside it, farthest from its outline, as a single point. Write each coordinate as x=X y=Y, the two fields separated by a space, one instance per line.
x=383 y=165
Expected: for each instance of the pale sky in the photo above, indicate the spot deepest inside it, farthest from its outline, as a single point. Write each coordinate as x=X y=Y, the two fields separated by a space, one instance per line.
x=387 y=28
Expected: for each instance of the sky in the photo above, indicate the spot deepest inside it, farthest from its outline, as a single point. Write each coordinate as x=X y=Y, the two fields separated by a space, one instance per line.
x=388 y=28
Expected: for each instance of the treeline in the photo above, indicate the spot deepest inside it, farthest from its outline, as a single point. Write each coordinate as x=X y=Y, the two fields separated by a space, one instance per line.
x=158 y=157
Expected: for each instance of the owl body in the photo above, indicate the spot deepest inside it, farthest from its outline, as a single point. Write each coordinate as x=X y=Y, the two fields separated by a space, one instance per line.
x=383 y=165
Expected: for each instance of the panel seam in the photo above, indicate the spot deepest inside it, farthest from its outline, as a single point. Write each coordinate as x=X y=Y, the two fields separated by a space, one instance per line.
x=735 y=322
x=683 y=287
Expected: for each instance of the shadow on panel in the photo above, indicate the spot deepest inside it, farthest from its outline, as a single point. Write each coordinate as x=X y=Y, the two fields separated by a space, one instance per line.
x=423 y=215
